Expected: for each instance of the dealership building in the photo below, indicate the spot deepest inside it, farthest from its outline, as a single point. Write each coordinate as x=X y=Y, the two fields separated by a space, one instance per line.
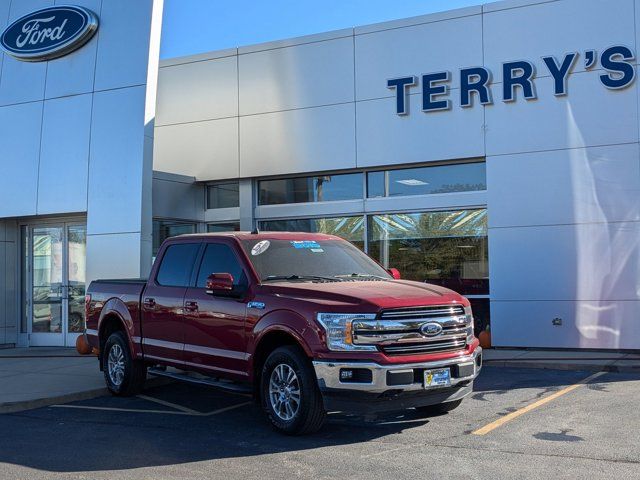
x=493 y=150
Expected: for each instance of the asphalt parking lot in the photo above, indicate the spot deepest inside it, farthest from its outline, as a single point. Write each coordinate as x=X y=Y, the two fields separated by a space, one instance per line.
x=518 y=423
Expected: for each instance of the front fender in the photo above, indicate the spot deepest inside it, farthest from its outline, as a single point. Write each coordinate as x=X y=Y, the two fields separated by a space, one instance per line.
x=306 y=333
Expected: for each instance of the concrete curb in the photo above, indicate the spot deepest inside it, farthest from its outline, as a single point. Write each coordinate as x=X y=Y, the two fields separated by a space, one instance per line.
x=609 y=367
x=14 y=407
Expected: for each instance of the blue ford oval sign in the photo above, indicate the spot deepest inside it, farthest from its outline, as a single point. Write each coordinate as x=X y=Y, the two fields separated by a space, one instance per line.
x=49 y=33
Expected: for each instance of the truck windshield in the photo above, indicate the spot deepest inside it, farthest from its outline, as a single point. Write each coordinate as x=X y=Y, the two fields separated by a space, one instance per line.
x=311 y=260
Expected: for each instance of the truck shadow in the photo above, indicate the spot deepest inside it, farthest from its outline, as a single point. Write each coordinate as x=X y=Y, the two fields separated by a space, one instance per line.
x=67 y=440
x=117 y=434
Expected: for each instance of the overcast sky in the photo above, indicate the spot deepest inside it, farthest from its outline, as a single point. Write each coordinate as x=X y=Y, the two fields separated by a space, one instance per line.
x=195 y=26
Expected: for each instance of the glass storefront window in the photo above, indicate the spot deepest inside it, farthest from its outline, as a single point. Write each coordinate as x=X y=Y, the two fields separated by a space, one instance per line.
x=463 y=177
x=445 y=248
x=349 y=228
x=223 y=195
x=223 y=227
x=163 y=229
x=324 y=188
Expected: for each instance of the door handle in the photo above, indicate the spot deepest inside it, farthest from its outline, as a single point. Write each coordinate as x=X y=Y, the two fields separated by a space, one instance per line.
x=149 y=303
x=191 y=306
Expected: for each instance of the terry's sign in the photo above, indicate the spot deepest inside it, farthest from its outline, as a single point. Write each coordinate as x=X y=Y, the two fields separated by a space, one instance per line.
x=49 y=33
x=616 y=63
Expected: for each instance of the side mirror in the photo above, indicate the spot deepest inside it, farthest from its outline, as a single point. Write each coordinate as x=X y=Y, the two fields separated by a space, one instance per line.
x=219 y=283
x=395 y=273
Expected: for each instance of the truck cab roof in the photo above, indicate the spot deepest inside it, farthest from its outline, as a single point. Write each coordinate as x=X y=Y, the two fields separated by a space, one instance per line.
x=260 y=236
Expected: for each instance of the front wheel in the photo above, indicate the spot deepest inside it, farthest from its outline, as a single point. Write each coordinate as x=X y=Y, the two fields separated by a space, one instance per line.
x=439 y=408
x=123 y=375
x=289 y=393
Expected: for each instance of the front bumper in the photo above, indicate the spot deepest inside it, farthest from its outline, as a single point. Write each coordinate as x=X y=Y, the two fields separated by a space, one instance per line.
x=373 y=386
x=386 y=377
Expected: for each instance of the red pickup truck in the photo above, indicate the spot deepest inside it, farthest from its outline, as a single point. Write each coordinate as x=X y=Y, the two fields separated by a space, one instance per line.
x=307 y=322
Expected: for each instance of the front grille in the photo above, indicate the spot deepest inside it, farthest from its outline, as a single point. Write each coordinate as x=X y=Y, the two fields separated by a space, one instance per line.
x=423 y=312
x=398 y=331
x=431 y=347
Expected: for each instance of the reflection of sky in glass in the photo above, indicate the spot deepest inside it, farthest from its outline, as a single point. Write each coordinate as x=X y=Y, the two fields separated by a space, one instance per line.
x=349 y=228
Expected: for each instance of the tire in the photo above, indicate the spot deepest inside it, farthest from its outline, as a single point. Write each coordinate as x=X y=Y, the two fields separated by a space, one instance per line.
x=127 y=376
x=439 y=408
x=308 y=415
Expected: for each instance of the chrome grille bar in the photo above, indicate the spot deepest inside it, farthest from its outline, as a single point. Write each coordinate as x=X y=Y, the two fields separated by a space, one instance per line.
x=426 y=348
x=399 y=331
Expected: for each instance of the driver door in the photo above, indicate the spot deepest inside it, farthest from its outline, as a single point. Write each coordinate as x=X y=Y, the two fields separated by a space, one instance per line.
x=214 y=324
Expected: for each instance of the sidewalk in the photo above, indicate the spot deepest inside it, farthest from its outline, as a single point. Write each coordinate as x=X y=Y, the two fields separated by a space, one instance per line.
x=563 y=360
x=36 y=377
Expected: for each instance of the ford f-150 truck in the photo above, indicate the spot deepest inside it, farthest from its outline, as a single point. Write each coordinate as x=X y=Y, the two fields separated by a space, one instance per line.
x=307 y=322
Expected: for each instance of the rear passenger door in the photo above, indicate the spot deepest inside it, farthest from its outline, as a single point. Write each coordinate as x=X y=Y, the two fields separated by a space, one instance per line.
x=214 y=324
x=162 y=304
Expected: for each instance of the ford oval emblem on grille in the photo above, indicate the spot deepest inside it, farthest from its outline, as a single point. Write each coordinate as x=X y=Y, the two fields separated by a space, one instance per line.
x=431 y=329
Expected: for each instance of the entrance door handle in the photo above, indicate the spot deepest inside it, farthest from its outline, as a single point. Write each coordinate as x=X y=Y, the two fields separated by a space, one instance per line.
x=191 y=306
x=149 y=303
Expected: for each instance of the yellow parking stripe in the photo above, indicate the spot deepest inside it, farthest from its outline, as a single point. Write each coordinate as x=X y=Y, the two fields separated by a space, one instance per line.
x=507 y=418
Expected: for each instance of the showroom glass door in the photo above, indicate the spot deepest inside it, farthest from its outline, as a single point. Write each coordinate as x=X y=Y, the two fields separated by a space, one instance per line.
x=55 y=283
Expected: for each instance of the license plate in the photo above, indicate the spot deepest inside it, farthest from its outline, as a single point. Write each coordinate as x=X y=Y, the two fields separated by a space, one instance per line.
x=437 y=378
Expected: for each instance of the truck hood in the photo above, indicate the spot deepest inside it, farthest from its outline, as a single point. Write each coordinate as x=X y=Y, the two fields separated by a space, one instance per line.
x=370 y=295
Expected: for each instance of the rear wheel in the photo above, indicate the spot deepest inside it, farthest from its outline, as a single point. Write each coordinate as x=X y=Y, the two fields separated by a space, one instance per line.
x=289 y=393
x=123 y=375
x=439 y=408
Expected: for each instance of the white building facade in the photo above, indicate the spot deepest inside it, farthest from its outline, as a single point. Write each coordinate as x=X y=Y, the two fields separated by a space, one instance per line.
x=493 y=149
x=76 y=140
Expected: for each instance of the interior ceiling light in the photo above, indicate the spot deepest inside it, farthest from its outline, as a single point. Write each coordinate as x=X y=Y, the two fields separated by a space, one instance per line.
x=412 y=182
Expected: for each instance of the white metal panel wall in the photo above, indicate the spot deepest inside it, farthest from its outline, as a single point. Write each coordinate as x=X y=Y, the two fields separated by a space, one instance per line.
x=197 y=91
x=294 y=141
x=444 y=45
x=64 y=160
x=297 y=77
x=563 y=179
x=20 y=127
x=22 y=81
x=385 y=138
x=556 y=28
x=177 y=197
x=198 y=149
x=77 y=77
x=77 y=134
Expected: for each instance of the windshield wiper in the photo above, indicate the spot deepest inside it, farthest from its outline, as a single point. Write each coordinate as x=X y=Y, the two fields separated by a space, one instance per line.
x=299 y=277
x=361 y=275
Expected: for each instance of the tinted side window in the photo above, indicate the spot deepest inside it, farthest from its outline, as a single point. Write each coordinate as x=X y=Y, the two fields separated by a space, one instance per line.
x=219 y=258
x=176 y=265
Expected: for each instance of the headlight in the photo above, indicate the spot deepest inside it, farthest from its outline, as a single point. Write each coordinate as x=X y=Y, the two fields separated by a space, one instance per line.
x=469 y=318
x=339 y=330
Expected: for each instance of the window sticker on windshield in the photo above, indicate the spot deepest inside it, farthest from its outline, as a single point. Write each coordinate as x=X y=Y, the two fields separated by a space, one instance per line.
x=310 y=244
x=317 y=250
x=260 y=247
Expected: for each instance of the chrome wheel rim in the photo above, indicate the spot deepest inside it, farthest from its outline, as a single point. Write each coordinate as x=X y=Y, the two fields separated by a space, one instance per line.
x=115 y=365
x=284 y=392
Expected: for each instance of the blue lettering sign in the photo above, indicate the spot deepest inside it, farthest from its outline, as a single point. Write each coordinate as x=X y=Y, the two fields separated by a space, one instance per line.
x=560 y=73
x=621 y=73
x=476 y=80
x=431 y=88
x=402 y=92
x=517 y=74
